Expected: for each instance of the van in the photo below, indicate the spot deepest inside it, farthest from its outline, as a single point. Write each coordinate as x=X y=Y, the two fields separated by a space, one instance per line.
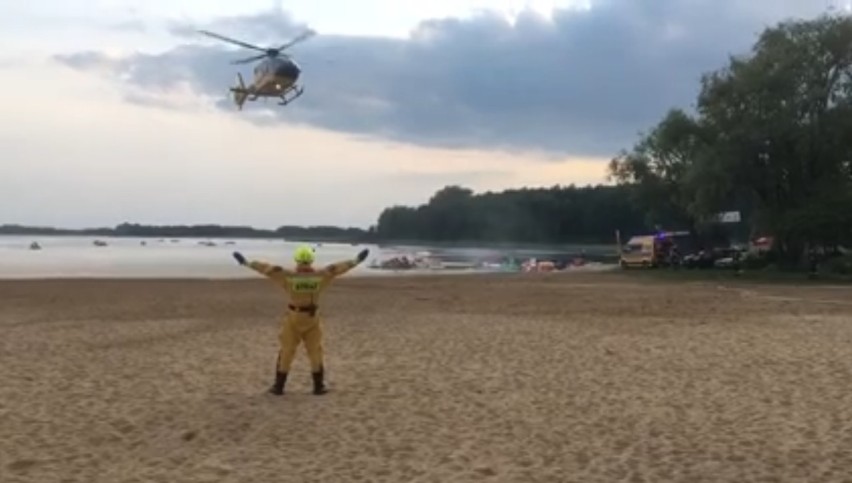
x=650 y=251
x=639 y=251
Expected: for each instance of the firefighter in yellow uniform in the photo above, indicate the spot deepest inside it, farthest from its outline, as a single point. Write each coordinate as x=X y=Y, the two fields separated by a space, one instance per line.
x=303 y=285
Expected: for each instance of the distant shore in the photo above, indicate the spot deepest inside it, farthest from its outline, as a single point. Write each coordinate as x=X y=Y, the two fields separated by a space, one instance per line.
x=595 y=248
x=307 y=234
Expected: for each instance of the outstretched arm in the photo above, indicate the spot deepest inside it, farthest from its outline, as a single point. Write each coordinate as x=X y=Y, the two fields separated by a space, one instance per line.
x=274 y=272
x=337 y=269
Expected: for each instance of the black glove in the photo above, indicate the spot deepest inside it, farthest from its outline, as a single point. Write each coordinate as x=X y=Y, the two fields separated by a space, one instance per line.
x=363 y=255
x=240 y=258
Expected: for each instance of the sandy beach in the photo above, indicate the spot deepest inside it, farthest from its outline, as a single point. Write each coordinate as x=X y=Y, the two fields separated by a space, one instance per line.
x=557 y=378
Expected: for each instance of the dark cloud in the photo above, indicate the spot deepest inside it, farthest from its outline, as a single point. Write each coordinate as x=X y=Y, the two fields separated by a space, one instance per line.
x=583 y=82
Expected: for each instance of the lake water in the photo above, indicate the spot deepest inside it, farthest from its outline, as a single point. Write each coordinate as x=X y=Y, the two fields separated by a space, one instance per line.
x=190 y=258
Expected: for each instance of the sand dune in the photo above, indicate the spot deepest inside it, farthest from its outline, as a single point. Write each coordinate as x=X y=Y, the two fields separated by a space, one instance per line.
x=563 y=378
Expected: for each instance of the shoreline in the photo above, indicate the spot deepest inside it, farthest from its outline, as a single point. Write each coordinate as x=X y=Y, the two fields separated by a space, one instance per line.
x=248 y=278
x=371 y=274
x=596 y=247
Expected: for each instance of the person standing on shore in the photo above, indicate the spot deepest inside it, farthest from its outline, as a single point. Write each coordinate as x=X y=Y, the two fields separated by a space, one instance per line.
x=303 y=285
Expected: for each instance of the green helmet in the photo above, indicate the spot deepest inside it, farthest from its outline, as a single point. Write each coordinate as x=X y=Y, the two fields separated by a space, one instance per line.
x=304 y=255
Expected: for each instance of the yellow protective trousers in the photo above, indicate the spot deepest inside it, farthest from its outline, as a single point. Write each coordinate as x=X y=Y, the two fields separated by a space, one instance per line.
x=295 y=329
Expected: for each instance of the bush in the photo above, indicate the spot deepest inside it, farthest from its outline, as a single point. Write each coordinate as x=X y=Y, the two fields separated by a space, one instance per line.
x=839 y=265
x=754 y=262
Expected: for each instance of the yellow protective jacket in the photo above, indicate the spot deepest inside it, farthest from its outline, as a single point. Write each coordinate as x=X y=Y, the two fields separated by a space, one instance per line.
x=304 y=287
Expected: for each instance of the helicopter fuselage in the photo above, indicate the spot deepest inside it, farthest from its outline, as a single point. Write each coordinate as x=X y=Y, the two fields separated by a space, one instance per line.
x=274 y=77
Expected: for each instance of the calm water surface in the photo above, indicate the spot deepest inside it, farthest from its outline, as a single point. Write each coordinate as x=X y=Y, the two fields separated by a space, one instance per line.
x=143 y=257
x=191 y=258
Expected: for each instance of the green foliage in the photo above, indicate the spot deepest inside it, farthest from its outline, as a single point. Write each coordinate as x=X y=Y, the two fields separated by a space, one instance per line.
x=658 y=165
x=754 y=261
x=771 y=138
x=839 y=265
x=551 y=215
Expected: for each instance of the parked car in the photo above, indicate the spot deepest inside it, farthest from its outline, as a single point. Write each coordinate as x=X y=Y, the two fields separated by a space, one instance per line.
x=699 y=259
x=727 y=258
x=713 y=258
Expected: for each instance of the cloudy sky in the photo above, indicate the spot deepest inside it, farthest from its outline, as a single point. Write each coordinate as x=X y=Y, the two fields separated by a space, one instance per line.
x=117 y=110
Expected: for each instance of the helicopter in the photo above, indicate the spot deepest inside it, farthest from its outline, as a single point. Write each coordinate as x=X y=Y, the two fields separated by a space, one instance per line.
x=276 y=76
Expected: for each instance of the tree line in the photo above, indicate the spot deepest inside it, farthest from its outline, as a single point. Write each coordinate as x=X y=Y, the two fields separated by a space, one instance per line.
x=302 y=233
x=543 y=216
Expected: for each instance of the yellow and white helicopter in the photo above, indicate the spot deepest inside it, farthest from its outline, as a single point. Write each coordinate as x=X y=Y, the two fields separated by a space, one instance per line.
x=276 y=76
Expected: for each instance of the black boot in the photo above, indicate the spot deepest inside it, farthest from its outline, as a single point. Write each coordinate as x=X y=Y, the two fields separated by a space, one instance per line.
x=319 y=385
x=280 y=380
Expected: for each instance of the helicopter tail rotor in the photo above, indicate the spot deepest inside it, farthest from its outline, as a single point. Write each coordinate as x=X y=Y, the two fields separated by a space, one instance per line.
x=240 y=92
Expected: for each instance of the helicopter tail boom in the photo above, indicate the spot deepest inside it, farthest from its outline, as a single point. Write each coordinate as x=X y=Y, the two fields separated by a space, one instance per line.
x=240 y=92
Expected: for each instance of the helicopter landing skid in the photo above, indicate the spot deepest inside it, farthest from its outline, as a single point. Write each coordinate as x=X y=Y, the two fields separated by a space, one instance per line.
x=296 y=91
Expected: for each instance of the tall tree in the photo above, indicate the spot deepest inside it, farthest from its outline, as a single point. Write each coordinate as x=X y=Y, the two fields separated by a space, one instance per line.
x=657 y=168
x=779 y=123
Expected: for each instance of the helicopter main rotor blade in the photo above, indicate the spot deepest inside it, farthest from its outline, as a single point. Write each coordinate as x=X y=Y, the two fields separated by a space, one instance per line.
x=233 y=41
x=300 y=38
x=249 y=59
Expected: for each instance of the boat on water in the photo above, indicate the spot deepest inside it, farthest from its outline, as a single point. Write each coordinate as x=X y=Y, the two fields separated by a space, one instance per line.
x=416 y=261
x=445 y=265
x=35 y=246
x=425 y=260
